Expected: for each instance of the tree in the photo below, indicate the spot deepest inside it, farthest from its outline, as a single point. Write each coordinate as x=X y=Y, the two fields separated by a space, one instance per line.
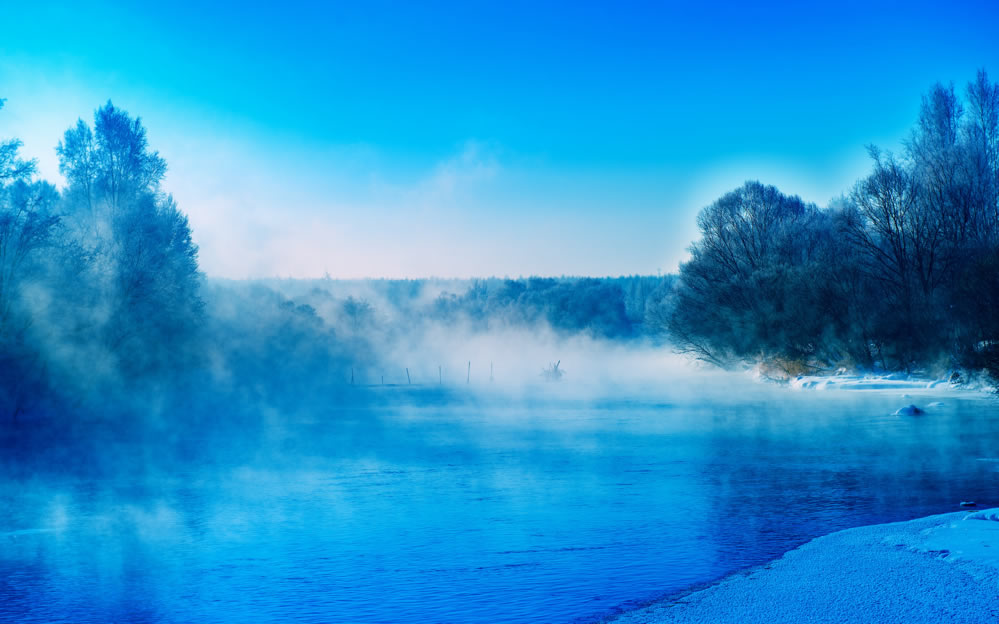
x=982 y=139
x=901 y=273
x=749 y=274
x=27 y=226
x=145 y=265
x=27 y=229
x=12 y=167
x=358 y=315
x=78 y=163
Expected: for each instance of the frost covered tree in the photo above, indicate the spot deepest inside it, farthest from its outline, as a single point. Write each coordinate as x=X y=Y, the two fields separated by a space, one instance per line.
x=12 y=166
x=901 y=273
x=28 y=227
x=145 y=269
x=743 y=291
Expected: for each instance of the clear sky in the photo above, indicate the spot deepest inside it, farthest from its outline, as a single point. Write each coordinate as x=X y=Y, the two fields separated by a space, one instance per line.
x=411 y=139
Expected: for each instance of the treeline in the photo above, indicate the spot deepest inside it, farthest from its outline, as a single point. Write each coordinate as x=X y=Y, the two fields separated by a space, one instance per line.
x=328 y=331
x=901 y=273
x=606 y=307
x=614 y=308
x=103 y=307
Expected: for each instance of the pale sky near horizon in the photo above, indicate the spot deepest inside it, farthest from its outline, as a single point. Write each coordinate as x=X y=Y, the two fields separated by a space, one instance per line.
x=464 y=139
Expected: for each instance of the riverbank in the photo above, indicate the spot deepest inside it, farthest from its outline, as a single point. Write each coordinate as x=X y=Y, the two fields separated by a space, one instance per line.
x=974 y=382
x=942 y=568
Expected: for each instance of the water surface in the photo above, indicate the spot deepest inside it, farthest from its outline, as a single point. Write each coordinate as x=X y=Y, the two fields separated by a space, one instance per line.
x=438 y=508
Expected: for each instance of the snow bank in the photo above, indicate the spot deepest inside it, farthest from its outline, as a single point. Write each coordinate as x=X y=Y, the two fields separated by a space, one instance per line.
x=897 y=381
x=974 y=538
x=894 y=381
x=936 y=569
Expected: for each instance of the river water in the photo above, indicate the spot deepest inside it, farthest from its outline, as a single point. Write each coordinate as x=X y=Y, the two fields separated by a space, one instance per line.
x=447 y=508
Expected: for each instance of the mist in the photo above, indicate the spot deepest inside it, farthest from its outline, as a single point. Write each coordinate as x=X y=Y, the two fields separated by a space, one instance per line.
x=179 y=446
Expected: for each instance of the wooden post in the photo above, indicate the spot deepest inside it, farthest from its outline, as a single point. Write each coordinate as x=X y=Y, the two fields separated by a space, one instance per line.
x=383 y=380
x=468 y=379
x=490 y=372
x=408 y=380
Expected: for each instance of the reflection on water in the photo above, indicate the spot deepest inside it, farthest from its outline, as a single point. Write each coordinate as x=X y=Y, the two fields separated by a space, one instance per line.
x=445 y=511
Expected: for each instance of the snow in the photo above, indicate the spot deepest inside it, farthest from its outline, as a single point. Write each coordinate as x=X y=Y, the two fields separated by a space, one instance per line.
x=975 y=538
x=895 y=381
x=902 y=382
x=938 y=569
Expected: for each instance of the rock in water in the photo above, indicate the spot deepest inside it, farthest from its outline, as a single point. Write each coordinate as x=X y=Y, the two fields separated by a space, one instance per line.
x=909 y=410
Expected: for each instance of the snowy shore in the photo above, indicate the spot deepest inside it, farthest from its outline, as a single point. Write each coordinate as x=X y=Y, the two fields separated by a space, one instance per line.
x=897 y=381
x=942 y=568
x=961 y=381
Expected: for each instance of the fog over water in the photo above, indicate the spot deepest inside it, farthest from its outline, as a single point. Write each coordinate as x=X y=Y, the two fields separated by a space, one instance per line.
x=514 y=500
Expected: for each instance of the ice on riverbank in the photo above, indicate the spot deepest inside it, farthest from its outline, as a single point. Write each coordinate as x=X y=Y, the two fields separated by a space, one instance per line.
x=938 y=569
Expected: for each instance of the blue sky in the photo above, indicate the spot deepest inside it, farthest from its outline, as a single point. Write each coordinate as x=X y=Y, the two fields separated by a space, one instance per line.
x=457 y=139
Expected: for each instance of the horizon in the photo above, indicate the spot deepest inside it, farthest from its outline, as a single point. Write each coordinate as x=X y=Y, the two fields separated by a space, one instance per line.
x=488 y=143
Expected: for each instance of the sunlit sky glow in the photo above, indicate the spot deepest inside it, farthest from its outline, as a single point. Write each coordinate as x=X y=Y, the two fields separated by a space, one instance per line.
x=457 y=139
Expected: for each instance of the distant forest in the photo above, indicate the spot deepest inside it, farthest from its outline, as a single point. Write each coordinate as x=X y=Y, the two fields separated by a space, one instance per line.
x=103 y=306
x=607 y=307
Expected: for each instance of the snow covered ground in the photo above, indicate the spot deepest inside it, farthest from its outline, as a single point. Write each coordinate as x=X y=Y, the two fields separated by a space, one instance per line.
x=941 y=568
x=867 y=382
x=894 y=381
